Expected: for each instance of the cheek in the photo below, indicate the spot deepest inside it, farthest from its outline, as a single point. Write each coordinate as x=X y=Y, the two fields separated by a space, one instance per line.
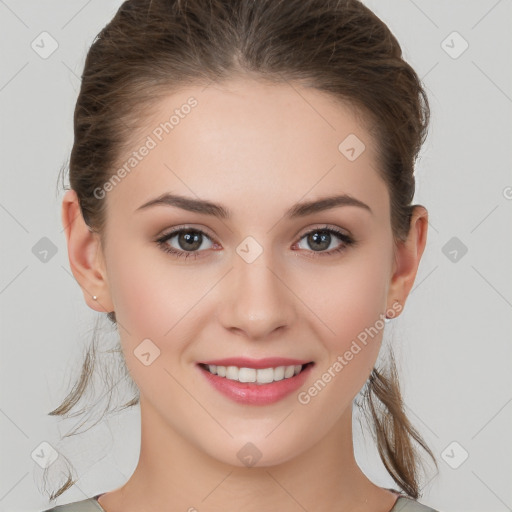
x=354 y=310
x=149 y=294
x=352 y=295
x=156 y=299
x=152 y=303
x=350 y=300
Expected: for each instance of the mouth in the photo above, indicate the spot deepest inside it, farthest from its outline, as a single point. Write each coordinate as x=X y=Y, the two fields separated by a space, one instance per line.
x=256 y=382
x=258 y=376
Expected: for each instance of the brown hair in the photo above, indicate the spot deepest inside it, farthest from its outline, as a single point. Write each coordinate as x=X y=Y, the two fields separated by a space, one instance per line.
x=153 y=47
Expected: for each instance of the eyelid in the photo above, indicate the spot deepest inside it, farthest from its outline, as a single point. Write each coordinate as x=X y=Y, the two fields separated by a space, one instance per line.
x=320 y=227
x=186 y=227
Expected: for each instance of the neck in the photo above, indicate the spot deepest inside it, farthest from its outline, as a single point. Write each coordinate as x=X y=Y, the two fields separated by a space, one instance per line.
x=173 y=472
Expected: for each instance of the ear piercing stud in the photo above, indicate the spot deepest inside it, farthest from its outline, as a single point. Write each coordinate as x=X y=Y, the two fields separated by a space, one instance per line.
x=94 y=297
x=390 y=318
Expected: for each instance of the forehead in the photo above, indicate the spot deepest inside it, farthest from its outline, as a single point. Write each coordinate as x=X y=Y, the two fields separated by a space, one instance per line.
x=247 y=142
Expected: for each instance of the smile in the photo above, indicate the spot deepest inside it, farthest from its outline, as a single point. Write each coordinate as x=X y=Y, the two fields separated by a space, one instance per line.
x=253 y=382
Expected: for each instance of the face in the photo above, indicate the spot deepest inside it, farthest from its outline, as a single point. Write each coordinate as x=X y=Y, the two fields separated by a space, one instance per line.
x=263 y=285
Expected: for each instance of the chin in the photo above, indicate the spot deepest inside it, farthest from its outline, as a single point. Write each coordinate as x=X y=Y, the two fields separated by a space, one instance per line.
x=256 y=452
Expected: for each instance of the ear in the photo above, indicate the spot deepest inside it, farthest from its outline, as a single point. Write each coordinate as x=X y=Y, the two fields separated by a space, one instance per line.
x=85 y=255
x=407 y=257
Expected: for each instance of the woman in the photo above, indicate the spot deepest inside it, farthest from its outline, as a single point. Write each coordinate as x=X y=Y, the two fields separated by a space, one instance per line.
x=240 y=206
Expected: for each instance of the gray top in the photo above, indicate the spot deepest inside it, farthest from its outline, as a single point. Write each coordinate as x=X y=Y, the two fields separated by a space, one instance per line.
x=402 y=504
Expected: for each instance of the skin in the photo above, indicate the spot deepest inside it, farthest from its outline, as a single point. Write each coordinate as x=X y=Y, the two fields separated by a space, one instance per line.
x=256 y=148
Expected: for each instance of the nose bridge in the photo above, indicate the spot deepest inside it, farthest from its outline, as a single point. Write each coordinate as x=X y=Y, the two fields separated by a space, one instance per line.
x=256 y=300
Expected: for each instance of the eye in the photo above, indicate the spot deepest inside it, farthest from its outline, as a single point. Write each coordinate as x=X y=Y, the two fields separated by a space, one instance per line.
x=320 y=239
x=189 y=241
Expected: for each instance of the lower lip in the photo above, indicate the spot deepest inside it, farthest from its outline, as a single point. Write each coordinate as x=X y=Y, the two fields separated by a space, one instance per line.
x=251 y=393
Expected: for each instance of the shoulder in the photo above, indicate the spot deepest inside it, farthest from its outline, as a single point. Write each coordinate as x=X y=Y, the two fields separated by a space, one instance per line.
x=87 y=505
x=406 y=504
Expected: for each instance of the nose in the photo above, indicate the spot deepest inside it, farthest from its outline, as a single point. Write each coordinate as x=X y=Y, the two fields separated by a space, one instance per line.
x=256 y=300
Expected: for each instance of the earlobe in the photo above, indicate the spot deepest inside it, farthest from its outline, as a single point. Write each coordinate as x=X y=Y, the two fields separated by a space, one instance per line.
x=408 y=256
x=84 y=254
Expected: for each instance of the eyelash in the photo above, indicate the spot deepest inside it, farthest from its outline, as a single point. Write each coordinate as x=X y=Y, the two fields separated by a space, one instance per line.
x=161 y=242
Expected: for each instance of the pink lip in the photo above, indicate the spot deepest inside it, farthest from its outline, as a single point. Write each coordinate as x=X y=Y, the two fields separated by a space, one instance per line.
x=251 y=393
x=245 y=362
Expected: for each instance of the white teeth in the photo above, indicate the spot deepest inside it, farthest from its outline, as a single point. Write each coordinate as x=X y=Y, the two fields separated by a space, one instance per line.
x=260 y=375
x=247 y=375
x=265 y=375
x=289 y=371
x=232 y=373
x=279 y=373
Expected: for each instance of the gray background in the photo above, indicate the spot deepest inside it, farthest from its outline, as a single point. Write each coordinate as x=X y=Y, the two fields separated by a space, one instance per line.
x=452 y=342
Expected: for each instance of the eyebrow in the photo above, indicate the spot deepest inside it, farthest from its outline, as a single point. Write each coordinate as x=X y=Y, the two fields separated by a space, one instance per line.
x=217 y=210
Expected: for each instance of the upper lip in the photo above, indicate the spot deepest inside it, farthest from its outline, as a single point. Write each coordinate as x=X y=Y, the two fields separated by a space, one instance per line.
x=245 y=362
